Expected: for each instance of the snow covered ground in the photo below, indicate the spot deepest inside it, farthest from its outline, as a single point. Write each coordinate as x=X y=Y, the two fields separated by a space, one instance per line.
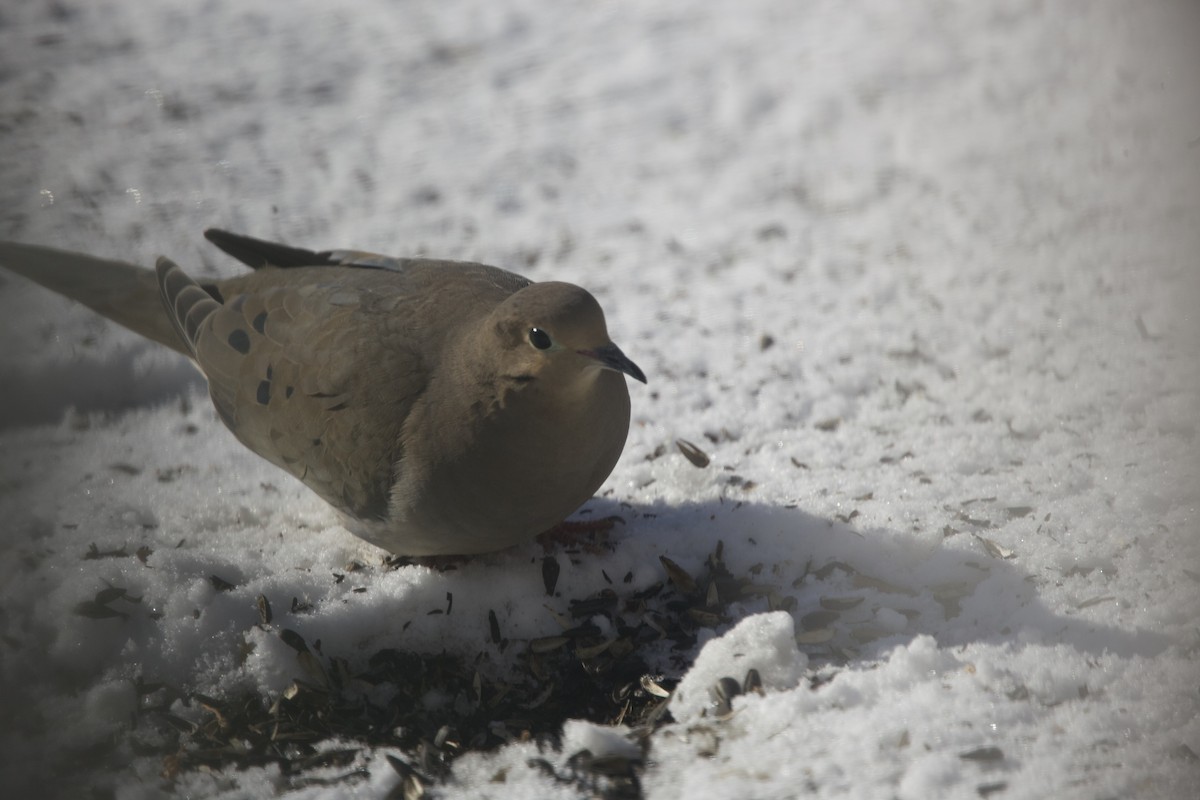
x=920 y=279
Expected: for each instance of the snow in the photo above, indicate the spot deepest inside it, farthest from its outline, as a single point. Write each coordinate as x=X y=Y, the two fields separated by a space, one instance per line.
x=919 y=279
x=765 y=643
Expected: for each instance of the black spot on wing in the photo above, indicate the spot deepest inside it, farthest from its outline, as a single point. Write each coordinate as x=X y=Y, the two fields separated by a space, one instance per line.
x=240 y=340
x=260 y=322
x=264 y=392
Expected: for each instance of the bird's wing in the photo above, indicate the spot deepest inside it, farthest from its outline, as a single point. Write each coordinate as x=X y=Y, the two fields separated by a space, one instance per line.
x=315 y=370
x=259 y=253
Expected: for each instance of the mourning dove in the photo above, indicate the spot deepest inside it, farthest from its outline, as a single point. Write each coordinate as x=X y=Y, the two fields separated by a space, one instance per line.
x=442 y=407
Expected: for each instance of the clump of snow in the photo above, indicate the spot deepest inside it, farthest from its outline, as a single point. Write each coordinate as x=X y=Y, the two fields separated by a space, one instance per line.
x=599 y=740
x=762 y=642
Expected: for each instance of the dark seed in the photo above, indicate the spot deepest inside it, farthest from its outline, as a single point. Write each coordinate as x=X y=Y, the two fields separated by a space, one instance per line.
x=983 y=754
x=704 y=618
x=106 y=596
x=220 y=584
x=547 y=644
x=550 y=570
x=722 y=693
x=178 y=723
x=692 y=453
x=728 y=688
x=93 y=610
x=293 y=640
x=678 y=576
x=264 y=609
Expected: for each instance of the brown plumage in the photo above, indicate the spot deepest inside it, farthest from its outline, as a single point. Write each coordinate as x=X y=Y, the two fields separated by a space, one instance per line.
x=442 y=407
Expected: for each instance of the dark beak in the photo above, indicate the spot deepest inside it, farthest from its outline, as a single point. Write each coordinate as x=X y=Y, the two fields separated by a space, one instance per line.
x=611 y=357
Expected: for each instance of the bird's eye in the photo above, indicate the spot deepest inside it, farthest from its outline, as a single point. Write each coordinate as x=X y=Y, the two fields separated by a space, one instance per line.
x=539 y=339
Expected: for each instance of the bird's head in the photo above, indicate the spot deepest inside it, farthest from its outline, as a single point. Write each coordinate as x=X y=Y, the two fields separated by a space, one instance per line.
x=556 y=331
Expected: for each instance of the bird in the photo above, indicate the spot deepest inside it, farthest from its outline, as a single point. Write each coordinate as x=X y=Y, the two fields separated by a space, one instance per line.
x=442 y=408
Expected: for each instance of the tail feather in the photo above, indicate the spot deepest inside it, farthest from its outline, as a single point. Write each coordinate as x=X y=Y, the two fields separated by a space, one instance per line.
x=125 y=293
x=186 y=304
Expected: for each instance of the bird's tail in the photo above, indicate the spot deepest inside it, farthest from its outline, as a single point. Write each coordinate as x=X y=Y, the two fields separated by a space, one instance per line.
x=125 y=293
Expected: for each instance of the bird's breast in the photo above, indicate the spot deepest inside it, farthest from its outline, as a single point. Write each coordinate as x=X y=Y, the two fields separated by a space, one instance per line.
x=527 y=462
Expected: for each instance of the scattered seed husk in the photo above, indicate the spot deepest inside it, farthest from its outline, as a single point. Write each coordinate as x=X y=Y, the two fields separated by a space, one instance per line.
x=1095 y=601
x=840 y=603
x=692 y=453
x=727 y=688
x=603 y=603
x=722 y=694
x=775 y=602
x=93 y=610
x=868 y=582
x=113 y=593
x=178 y=723
x=815 y=620
x=705 y=618
x=585 y=652
x=548 y=643
x=94 y=553
x=862 y=634
x=678 y=576
x=411 y=786
x=313 y=668
x=299 y=607
x=293 y=640
x=220 y=584
x=987 y=753
x=650 y=685
x=550 y=570
x=818 y=636
x=264 y=609
x=654 y=624
x=1183 y=753
x=603 y=673
x=827 y=569
x=994 y=549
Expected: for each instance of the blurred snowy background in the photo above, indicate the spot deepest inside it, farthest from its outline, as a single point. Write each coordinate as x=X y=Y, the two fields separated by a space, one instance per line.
x=920 y=279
